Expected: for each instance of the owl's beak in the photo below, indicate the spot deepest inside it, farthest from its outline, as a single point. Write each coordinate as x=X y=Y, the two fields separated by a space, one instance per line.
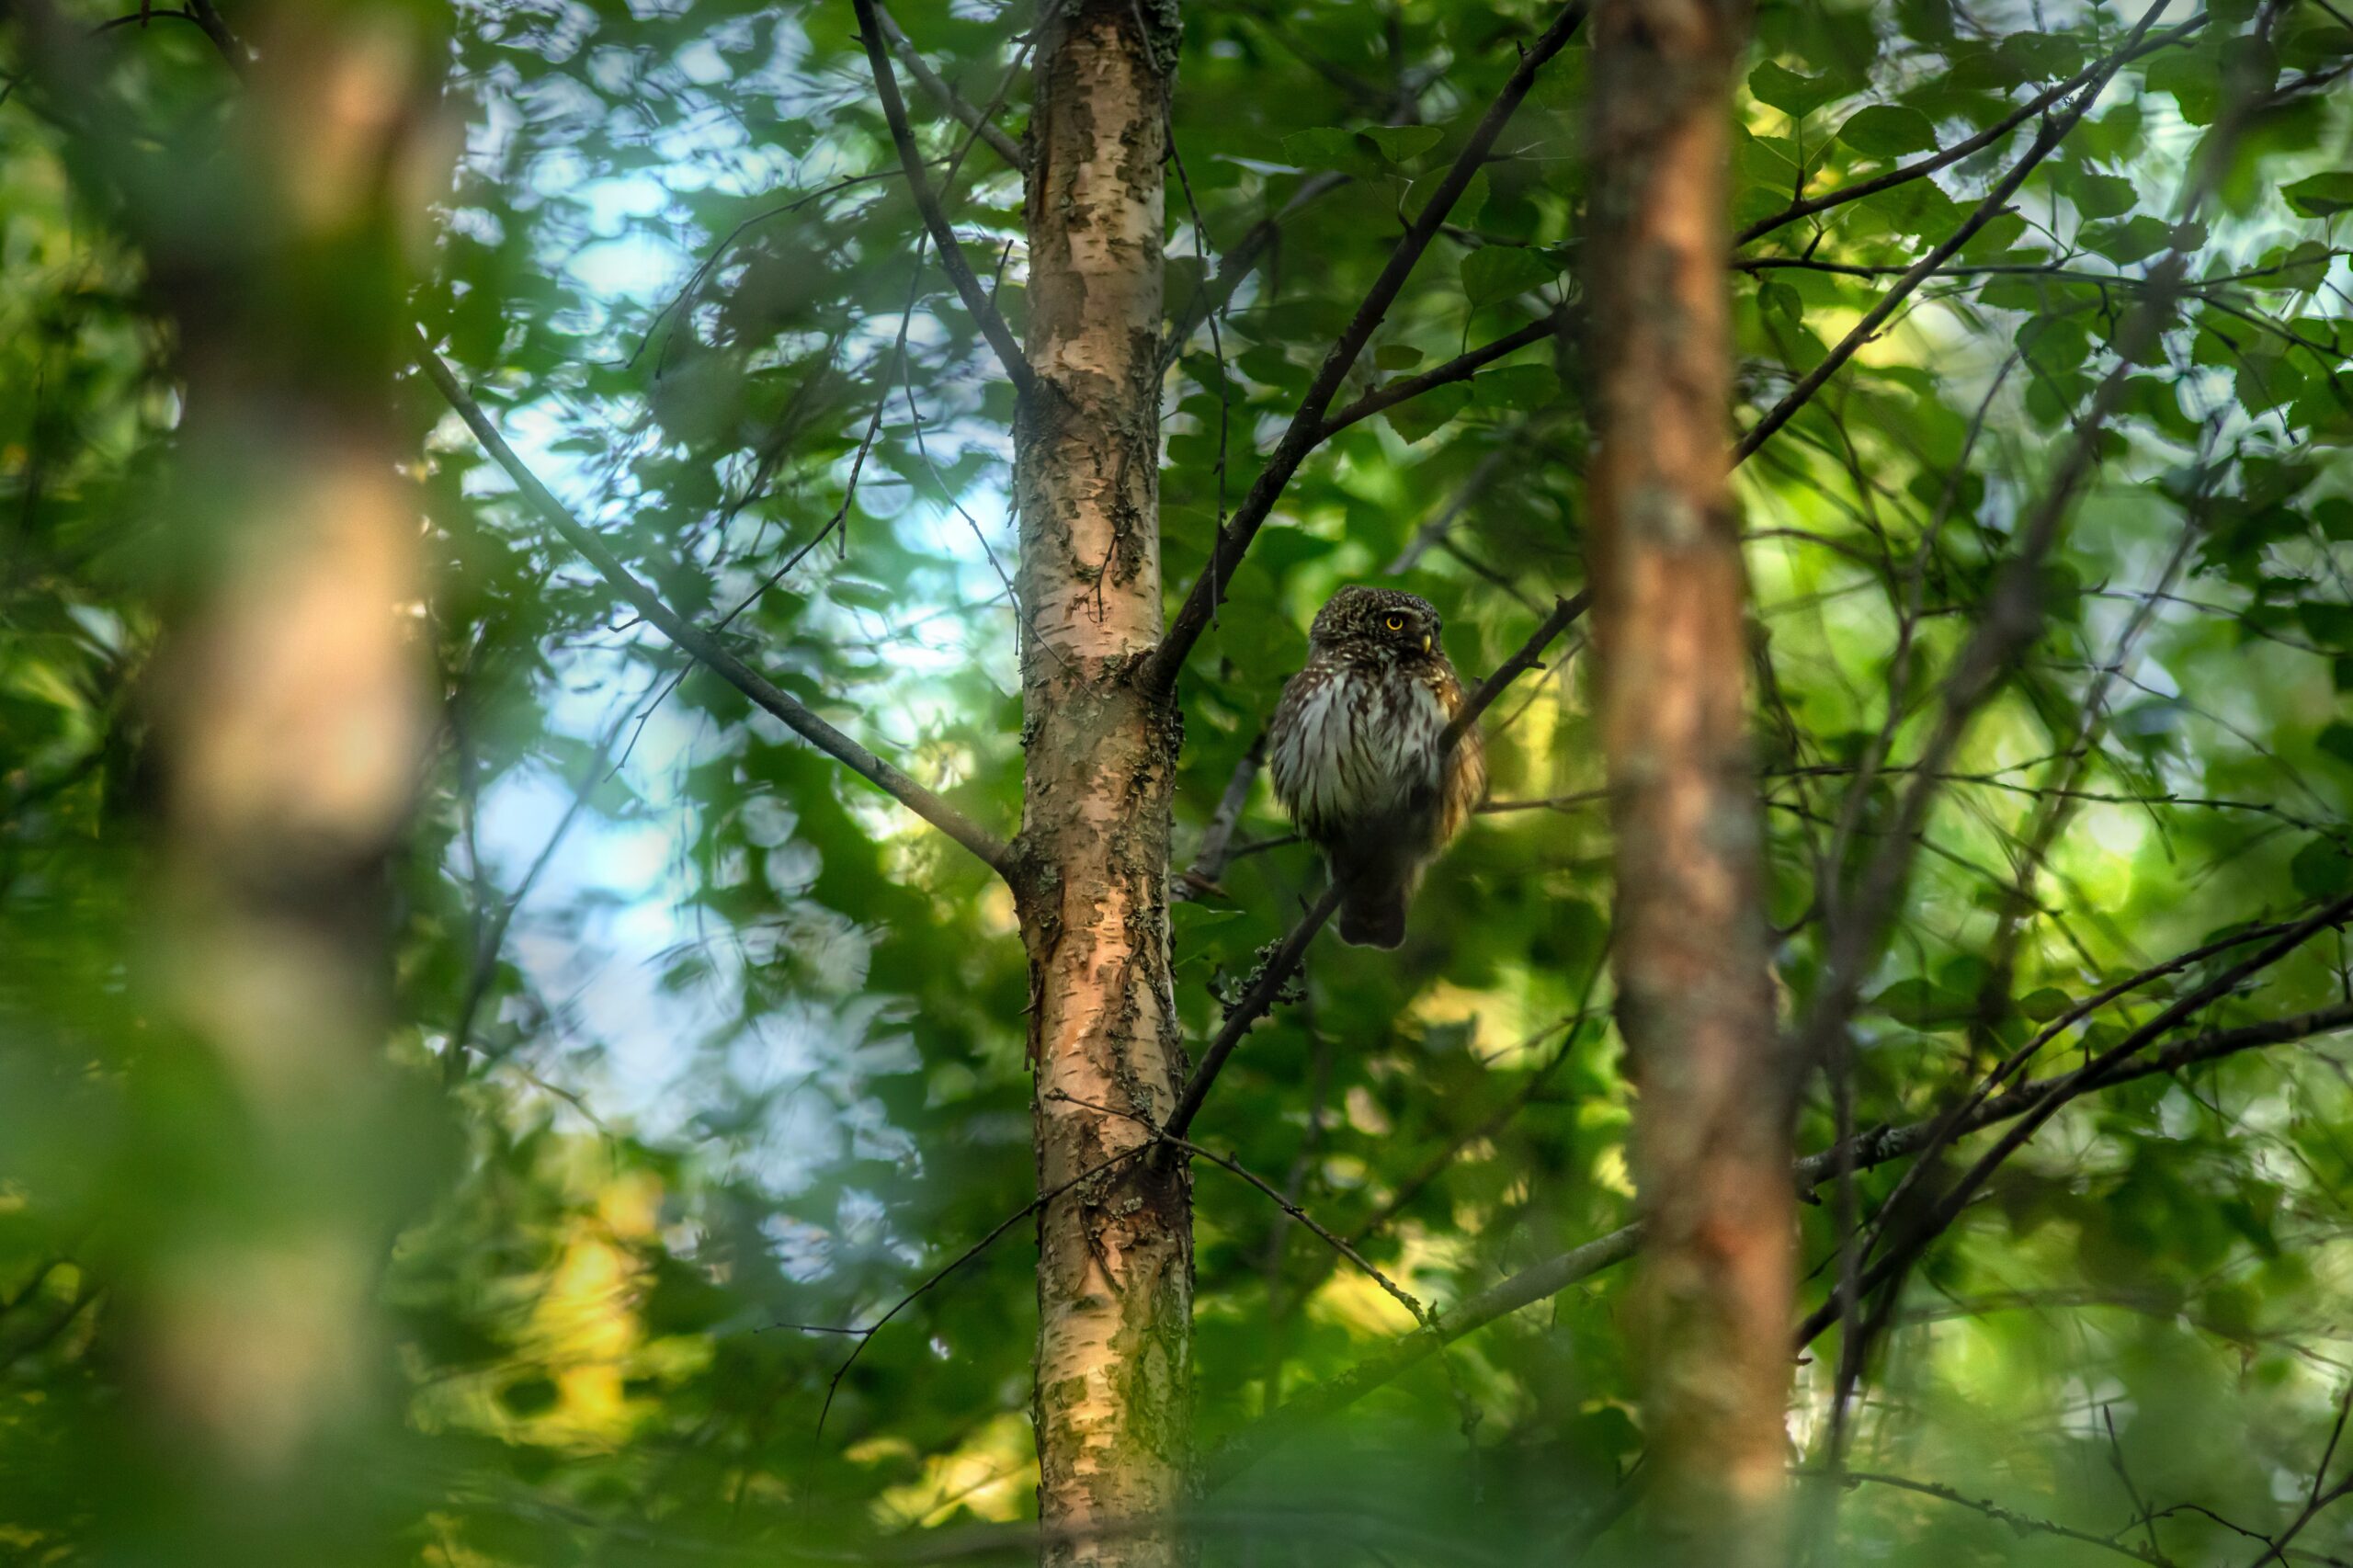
x=1426 y=641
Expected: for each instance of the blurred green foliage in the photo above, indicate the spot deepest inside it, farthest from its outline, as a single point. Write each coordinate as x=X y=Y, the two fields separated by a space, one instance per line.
x=745 y=1066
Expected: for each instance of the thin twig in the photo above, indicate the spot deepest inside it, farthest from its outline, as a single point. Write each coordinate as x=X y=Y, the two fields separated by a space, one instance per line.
x=865 y=1335
x=1227 y=1162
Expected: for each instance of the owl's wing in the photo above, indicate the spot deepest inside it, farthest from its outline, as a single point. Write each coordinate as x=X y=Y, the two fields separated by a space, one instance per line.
x=1284 y=755
x=1466 y=768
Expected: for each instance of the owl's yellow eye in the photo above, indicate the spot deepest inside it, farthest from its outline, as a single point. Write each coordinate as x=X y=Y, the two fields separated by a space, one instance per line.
x=1394 y=622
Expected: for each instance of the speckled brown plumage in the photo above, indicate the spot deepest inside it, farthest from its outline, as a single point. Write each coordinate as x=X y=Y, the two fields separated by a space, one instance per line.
x=1354 y=753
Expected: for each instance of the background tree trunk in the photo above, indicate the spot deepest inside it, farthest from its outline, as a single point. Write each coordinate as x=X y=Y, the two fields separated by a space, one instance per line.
x=293 y=719
x=1115 y=1270
x=1713 y=1126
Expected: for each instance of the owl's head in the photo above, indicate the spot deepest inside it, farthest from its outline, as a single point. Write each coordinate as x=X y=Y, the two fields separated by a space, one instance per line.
x=1379 y=618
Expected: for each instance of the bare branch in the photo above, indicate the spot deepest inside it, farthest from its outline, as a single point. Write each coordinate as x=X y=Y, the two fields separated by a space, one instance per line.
x=1507 y=441
x=865 y=1335
x=1268 y=983
x=707 y=648
x=1396 y=1292
x=962 y=108
x=1212 y=294
x=2023 y=1523
x=1217 y=840
x=490 y=937
x=1564 y=614
x=2111 y=1064
x=943 y=235
x=205 y=17
x=2010 y=622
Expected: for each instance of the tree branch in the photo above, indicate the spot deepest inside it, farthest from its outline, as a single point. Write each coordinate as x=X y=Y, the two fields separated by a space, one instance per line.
x=1564 y=614
x=1997 y=202
x=2108 y=1065
x=1459 y=369
x=1558 y=1273
x=943 y=235
x=707 y=648
x=2022 y=1523
x=1279 y=965
x=1217 y=840
x=1960 y=149
x=1306 y=429
x=1339 y=1244
x=1270 y=981
x=962 y=108
x=2012 y=618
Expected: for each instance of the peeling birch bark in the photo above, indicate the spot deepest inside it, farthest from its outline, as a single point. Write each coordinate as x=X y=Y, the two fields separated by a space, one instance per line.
x=1115 y=1270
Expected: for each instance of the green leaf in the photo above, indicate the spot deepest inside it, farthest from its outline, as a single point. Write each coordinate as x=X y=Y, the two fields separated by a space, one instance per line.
x=1419 y=417
x=1495 y=273
x=2045 y=1005
x=1268 y=365
x=530 y=1396
x=2322 y=196
x=2329 y=625
x=1887 y=131
x=2101 y=196
x=1472 y=203
x=1923 y=1004
x=1521 y=388
x=2337 y=741
x=1323 y=148
x=2322 y=871
x=1775 y=84
x=1397 y=357
x=2043 y=54
x=2135 y=239
x=2300 y=267
x=2193 y=79
x=1403 y=144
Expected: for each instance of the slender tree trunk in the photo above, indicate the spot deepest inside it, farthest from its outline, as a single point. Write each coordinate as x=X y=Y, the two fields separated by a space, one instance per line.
x=1115 y=1268
x=1713 y=1132
x=292 y=722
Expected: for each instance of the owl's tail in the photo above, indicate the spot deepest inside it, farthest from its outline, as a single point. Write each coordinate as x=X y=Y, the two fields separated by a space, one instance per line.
x=1372 y=908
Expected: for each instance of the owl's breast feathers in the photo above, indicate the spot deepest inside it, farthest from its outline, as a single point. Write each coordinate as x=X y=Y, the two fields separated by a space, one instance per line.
x=1353 y=749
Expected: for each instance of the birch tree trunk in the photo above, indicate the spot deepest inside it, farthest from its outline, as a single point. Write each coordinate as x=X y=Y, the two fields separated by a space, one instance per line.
x=291 y=727
x=1713 y=1135
x=1115 y=1268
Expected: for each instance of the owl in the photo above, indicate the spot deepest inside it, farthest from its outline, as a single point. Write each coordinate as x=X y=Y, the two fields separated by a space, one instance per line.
x=1354 y=753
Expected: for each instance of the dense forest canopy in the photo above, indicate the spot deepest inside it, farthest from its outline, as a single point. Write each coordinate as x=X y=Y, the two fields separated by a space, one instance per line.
x=610 y=612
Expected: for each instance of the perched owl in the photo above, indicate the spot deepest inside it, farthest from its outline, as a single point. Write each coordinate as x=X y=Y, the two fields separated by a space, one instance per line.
x=1355 y=750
